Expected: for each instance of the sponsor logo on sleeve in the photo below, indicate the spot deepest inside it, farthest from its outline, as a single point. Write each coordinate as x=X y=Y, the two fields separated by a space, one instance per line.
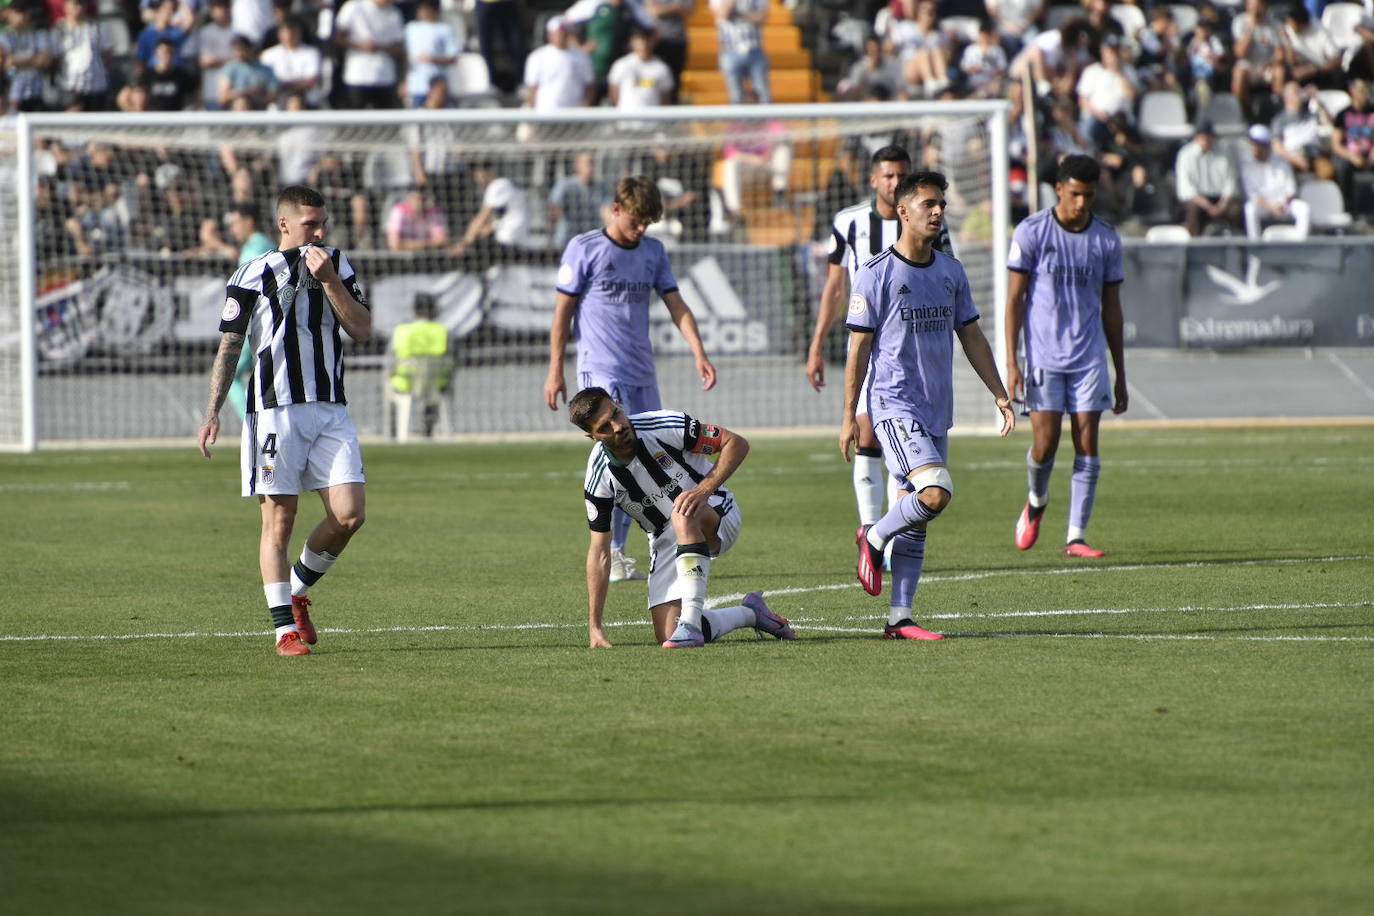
x=565 y=275
x=592 y=511
x=1015 y=254
x=858 y=305
x=231 y=310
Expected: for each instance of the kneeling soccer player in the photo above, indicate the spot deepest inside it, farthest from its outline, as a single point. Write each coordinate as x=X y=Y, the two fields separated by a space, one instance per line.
x=654 y=466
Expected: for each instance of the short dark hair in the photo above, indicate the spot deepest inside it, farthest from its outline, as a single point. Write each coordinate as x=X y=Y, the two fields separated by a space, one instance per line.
x=922 y=179
x=246 y=212
x=586 y=404
x=1078 y=167
x=891 y=154
x=297 y=196
x=426 y=306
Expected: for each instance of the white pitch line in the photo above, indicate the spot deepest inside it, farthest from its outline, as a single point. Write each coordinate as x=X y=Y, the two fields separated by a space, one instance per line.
x=1185 y=637
x=726 y=600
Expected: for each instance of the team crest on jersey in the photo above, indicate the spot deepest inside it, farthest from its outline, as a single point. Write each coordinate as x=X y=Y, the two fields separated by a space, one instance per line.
x=857 y=304
x=948 y=285
x=288 y=296
x=265 y=472
x=1015 y=253
x=231 y=310
x=664 y=461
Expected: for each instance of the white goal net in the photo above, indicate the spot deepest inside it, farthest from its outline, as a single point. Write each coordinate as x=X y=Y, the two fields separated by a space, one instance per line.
x=109 y=305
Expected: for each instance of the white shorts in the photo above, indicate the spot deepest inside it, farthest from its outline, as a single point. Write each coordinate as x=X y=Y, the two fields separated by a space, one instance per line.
x=663 y=581
x=298 y=448
x=907 y=446
x=1084 y=391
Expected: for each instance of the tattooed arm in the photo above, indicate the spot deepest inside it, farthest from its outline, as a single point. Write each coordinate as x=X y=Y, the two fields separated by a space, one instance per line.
x=221 y=377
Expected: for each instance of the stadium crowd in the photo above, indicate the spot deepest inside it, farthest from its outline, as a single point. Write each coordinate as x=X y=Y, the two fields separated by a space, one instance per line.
x=1212 y=114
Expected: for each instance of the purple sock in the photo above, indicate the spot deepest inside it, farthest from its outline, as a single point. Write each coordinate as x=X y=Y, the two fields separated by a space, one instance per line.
x=908 y=556
x=906 y=515
x=1082 y=489
x=1038 y=477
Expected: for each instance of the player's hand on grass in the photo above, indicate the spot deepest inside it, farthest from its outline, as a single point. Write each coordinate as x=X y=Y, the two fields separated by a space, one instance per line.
x=208 y=434
x=1008 y=416
x=598 y=639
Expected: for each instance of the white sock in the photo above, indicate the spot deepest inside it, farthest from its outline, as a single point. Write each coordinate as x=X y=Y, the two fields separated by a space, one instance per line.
x=693 y=570
x=896 y=615
x=309 y=568
x=725 y=619
x=278 y=594
x=868 y=487
x=1076 y=534
x=874 y=540
x=282 y=631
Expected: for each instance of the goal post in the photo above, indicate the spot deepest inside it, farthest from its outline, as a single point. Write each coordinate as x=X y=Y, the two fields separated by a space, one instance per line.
x=123 y=227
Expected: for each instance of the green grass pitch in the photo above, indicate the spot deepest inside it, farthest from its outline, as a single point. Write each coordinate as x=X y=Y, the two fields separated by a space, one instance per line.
x=1181 y=727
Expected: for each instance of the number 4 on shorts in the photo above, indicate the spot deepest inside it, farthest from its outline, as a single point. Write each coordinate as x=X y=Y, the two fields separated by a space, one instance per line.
x=269 y=445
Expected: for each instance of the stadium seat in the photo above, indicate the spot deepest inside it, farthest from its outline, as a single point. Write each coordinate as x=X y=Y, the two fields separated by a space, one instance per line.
x=1168 y=234
x=1340 y=20
x=469 y=80
x=1162 y=116
x=425 y=374
x=963 y=28
x=1333 y=100
x=1328 y=206
x=117 y=29
x=1282 y=232
x=1225 y=113
x=1130 y=18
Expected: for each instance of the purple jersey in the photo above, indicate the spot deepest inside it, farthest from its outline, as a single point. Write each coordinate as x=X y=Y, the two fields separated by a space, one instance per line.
x=1066 y=271
x=612 y=283
x=912 y=310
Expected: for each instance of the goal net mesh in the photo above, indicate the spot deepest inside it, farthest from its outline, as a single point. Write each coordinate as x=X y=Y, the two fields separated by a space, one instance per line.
x=138 y=226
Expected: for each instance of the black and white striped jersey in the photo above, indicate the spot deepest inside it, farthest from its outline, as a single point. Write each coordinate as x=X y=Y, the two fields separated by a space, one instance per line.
x=859 y=233
x=286 y=318
x=670 y=456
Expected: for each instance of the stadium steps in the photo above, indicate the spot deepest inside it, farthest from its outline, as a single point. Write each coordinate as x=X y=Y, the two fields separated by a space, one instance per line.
x=793 y=76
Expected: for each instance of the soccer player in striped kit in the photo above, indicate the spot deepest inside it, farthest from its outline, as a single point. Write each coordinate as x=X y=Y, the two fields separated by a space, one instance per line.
x=292 y=304
x=654 y=466
x=1064 y=290
x=858 y=233
x=604 y=284
x=908 y=305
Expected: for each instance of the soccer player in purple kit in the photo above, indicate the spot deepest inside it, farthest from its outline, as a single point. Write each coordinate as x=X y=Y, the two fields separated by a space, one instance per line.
x=604 y=283
x=908 y=305
x=1064 y=289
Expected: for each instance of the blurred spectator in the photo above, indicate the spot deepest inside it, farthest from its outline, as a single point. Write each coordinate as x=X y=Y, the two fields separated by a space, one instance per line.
x=1271 y=191
x=298 y=146
x=337 y=178
x=670 y=23
x=1308 y=53
x=754 y=151
x=1255 y=43
x=639 y=80
x=171 y=223
x=1054 y=59
x=738 y=32
x=1207 y=61
x=431 y=48
x=54 y=237
x=162 y=86
x=501 y=223
x=1124 y=173
x=415 y=223
x=184 y=18
x=559 y=74
x=1352 y=142
x=984 y=63
x=874 y=68
x=1106 y=90
x=373 y=33
x=607 y=33
x=1100 y=22
x=252 y=19
x=1015 y=21
x=920 y=46
x=1161 y=51
x=500 y=22
x=1296 y=131
x=435 y=162
x=423 y=338
x=214 y=38
x=82 y=47
x=27 y=53
x=245 y=241
x=679 y=175
x=100 y=223
x=160 y=27
x=1207 y=184
x=296 y=66
x=244 y=82
x=577 y=201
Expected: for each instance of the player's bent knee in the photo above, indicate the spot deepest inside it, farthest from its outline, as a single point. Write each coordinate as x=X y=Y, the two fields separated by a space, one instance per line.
x=934 y=487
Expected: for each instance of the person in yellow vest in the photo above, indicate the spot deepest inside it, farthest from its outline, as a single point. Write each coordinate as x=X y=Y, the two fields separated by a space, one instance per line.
x=421 y=338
